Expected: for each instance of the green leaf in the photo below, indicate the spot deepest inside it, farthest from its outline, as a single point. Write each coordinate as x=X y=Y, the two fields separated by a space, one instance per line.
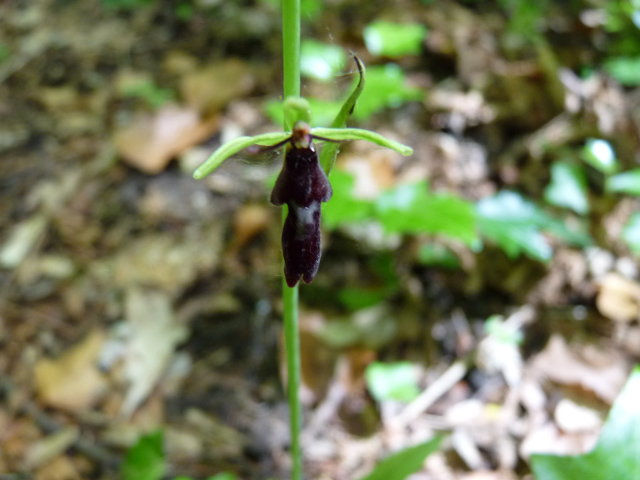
x=219 y=476
x=357 y=298
x=5 y=53
x=386 y=87
x=437 y=255
x=310 y=9
x=568 y=187
x=626 y=182
x=392 y=381
x=321 y=61
x=513 y=223
x=229 y=149
x=344 y=207
x=223 y=476
x=405 y=462
x=624 y=69
x=394 y=39
x=342 y=134
x=412 y=209
x=631 y=233
x=145 y=460
x=600 y=155
x=617 y=453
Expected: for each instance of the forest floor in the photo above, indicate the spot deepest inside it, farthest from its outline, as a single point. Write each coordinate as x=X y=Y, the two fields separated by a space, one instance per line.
x=134 y=298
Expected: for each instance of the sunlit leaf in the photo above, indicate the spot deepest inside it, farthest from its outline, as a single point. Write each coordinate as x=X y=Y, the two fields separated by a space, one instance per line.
x=631 y=233
x=513 y=223
x=344 y=207
x=616 y=454
x=412 y=209
x=626 y=182
x=145 y=460
x=386 y=88
x=401 y=464
x=320 y=60
x=392 y=381
x=600 y=155
x=624 y=69
x=394 y=39
x=568 y=187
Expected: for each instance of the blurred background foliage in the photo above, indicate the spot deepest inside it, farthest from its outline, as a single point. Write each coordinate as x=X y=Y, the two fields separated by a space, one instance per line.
x=486 y=287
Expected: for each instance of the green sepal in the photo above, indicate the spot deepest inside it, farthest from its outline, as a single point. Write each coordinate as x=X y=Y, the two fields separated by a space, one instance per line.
x=341 y=134
x=296 y=109
x=330 y=151
x=234 y=146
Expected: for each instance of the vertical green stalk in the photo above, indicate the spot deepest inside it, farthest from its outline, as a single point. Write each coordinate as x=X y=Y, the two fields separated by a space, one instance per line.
x=291 y=84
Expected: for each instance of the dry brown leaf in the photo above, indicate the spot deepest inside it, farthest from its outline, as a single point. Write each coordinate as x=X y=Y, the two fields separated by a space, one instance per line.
x=50 y=447
x=549 y=439
x=72 y=381
x=208 y=90
x=151 y=141
x=602 y=373
x=619 y=298
x=154 y=336
x=574 y=418
x=249 y=221
x=61 y=468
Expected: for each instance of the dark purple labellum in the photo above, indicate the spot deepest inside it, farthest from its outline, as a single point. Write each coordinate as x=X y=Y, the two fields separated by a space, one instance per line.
x=303 y=186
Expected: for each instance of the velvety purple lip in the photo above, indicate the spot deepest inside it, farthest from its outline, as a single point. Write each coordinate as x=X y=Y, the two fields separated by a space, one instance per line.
x=303 y=186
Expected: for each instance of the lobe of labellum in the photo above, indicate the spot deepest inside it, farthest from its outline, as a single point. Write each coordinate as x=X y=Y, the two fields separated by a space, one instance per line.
x=301 y=243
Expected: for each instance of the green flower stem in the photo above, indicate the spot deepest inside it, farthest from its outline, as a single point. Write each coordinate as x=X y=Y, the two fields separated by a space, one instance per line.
x=291 y=84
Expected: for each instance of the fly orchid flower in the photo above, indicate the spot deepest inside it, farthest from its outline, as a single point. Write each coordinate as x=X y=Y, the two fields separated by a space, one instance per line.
x=302 y=184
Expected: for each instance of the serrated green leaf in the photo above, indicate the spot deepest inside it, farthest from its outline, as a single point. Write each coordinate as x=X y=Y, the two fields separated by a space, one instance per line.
x=412 y=209
x=617 y=453
x=626 y=182
x=394 y=39
x=631 y=233
x=145 y=460
x=624 y=69
x=392 y=381
x=386 y=88
x=321 y=61
x=568 y=187
x=600 y=155
x=400 y=465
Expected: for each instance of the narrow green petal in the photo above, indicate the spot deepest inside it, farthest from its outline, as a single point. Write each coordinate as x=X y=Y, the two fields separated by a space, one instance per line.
x=234 y=146
x=340 y=134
